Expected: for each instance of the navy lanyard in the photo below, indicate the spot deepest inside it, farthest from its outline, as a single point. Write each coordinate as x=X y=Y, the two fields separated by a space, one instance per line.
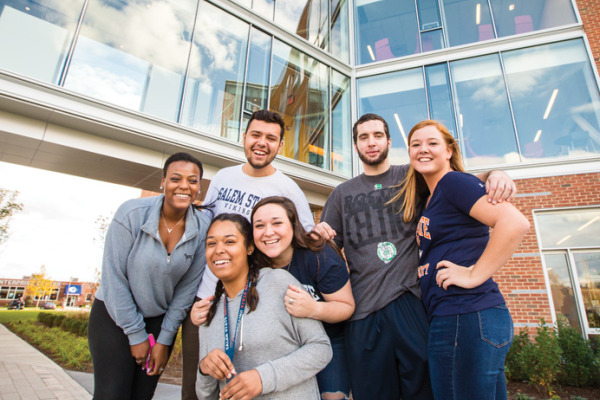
x=230 y=345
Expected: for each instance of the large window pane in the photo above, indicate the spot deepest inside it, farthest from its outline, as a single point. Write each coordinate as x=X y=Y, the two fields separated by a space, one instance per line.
x=513 y=17
x=385 y=29
x=306 y=18
x=35 y=36
x=257 y=78
x=341 y=154
x=264 y=7
x=572 y=228
x=555 y=100
x=400 y=99
x=134 y=54
x=299 y=92
x=588 y=274
x=467 y=21
x=487 y=133
x=440 y=98
x=340 y=31
x=214 y=87
x=563 y=296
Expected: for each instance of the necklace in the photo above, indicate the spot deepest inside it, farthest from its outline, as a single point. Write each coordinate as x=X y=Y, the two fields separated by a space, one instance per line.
x=165 y=222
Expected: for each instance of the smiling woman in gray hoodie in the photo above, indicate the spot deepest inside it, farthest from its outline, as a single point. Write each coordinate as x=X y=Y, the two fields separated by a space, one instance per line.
x=250 y=346
x=153 y=262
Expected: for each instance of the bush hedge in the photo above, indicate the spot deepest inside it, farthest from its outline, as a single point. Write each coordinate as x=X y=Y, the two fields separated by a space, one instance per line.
x=557 y=355
x=69 y=322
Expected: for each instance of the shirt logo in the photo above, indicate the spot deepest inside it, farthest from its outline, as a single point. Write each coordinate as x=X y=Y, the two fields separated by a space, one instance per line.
x=378 y=186
x=386 y=251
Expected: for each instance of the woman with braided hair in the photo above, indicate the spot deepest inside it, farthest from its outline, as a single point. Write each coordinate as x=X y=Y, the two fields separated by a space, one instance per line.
x=250 y=347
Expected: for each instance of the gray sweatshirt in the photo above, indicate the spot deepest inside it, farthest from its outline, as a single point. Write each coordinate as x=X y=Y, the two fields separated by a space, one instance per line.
x=140 y=280
x=286 y=351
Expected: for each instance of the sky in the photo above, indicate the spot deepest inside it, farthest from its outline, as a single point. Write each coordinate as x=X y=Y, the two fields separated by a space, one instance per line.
x=57 y=225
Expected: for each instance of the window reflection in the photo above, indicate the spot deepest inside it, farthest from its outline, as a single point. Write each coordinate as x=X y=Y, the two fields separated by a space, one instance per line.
x=299 y=92
x=468 y=21
x=257 y=78
x=35 y=37
x=563 y=297
x=341 y=154
x=213 y=94
x=440 y=98
x=555 y=100
x=264 y=8
x=572 y=228
x=385 y=29
x=484 y=119
x=306 y=18
x=588 y=269
x=134 y=55
x=513 y=17
x=400 y=99
x=340 y=31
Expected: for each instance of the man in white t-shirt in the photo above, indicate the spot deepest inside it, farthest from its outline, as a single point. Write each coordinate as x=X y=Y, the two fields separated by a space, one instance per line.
x=236 y=190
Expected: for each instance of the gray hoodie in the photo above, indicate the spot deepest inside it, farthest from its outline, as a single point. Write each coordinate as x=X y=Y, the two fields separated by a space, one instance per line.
x=140 y=280
x=286 y=351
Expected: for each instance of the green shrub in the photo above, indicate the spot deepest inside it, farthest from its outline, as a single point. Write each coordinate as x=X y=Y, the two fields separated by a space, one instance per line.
x=542 y=359
x=515 y=360
x=69 y=322
x=579 y=365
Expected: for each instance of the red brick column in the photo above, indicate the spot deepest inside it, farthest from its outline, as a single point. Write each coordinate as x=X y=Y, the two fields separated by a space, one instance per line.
x=589 y=10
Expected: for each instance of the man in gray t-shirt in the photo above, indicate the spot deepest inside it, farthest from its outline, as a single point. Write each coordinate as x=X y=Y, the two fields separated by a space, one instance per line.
x=386 y=338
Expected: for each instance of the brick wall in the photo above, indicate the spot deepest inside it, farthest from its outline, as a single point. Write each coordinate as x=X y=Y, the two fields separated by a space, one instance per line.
x=522 y=279
x=589 y=10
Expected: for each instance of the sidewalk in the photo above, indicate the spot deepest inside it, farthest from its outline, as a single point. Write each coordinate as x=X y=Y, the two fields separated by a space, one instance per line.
x=27 y=374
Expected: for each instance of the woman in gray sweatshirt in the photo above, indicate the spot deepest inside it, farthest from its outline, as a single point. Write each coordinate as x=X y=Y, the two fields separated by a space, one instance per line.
x=153 y=262
x=261 y=351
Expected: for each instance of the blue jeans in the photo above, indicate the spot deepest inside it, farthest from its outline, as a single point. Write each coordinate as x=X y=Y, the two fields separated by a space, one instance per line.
x=467 y=353
x=335 y=378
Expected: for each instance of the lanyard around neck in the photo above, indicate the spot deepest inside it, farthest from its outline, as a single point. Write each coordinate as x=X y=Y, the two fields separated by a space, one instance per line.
x=230 y=345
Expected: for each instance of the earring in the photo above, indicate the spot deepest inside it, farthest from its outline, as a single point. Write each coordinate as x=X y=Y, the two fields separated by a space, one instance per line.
x=161 y=188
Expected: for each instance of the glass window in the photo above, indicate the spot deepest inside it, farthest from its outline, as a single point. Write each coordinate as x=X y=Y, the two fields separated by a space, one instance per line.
x=554 y=93
x=561 y=283
x=400 y=99
x=299 y=92
x=429 y=15
x=572 y=228
x=35 y=36
x=307 y=19
x=213 y=93
x=4 y=292
x=385 y=29
x=440 y=98
x=134 y=54
x=264 y=7
x=513 y=17
x=588 y=269
x=341 y=154
x=484 y=119
x=467 y=21
x=257 y=77
x=340 y=30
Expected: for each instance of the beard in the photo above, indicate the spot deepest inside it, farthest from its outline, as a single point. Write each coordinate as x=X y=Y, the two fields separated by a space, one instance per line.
x=373 y=162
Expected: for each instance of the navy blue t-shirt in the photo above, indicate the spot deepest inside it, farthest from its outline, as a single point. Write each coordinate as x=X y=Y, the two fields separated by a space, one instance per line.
x=446 y=231
x=322 y=272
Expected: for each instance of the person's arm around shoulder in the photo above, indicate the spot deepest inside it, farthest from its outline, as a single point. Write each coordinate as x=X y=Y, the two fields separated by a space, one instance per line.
x=498 y=186
x=338 y=305
x=509 y=227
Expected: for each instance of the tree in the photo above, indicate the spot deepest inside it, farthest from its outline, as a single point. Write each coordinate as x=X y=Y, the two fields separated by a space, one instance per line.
x=8 y=206
x=102 y=224
x=40 y=285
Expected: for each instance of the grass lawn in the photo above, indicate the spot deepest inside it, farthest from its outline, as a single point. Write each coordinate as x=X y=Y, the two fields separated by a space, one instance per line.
x=18 y=315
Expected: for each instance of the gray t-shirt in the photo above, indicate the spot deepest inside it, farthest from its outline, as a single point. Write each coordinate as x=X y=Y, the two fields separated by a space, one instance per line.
x=380 y=247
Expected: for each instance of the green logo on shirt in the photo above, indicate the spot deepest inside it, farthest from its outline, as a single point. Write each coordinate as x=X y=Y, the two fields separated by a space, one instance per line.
x=386 y=251
x=378 y=186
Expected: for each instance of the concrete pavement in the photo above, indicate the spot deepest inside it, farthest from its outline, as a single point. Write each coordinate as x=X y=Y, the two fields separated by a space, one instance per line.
x=27 y=374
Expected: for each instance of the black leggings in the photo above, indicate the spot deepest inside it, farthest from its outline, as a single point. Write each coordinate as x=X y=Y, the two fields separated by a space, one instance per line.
x=116 y=375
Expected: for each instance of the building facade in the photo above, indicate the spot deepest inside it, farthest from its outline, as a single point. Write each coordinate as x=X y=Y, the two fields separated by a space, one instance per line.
x=109 y=88
x=61 y=293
